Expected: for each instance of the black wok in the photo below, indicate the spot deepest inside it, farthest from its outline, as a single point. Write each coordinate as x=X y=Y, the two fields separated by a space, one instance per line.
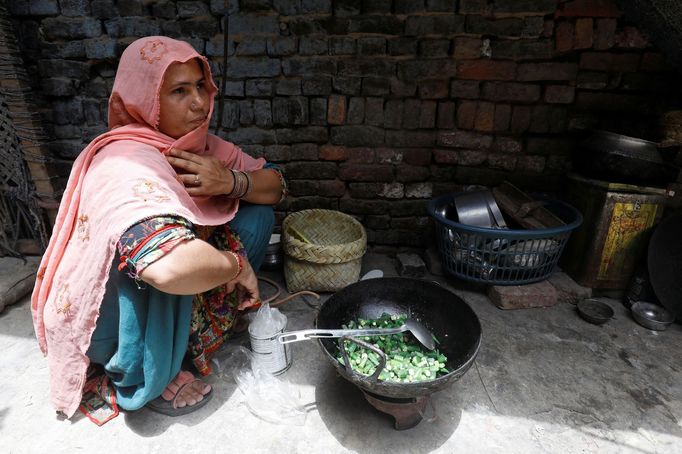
x=446 y=315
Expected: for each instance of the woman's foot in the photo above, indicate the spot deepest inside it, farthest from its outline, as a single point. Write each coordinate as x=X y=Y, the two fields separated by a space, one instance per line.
x=184 y=394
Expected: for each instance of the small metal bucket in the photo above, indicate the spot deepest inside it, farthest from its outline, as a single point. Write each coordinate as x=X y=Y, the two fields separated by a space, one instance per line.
x=269 y=354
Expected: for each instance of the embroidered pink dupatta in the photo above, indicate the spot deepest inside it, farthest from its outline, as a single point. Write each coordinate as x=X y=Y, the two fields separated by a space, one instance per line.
x=120 y=178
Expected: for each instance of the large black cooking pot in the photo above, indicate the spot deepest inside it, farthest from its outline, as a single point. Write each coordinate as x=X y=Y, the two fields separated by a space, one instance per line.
x=617 y=158
x=446 y=315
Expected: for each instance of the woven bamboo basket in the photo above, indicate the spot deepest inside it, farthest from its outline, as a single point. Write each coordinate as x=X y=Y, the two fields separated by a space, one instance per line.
x=323 y=250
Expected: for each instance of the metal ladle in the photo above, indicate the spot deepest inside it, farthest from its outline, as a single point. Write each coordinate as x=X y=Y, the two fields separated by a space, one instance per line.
x=419 y=331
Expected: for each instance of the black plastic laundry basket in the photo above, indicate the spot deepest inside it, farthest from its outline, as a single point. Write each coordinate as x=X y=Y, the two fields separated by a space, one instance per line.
x=501 y=256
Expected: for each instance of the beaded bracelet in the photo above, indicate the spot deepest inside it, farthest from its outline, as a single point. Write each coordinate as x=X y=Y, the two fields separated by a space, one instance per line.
x=240 y=264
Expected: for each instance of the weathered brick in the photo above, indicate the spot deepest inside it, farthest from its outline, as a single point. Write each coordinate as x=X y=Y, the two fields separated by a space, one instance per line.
x=605 y=33
x=559 y=94
x=525 y=6
x=310 y=170
x=329 y=25
x=259 y=87
x=317 y=85
x=467 y=89
x=375 y=86
x=464 y=139
x=652 y=61
x=333 y=153
x=376 y=190
x=307 y=203
x=251 y=47
x=523 y=50
x=607 y=61
x=290 y=111
x=43 y=7
x=366 y=67
x=101 y=48
x=467 y=48
x=466 y=114
x=479 y=25
x=131 y=7
x=408 y=6
x=410 y=138
x=565 y=34
x=71 y=28
x=341 y=45
x=520 y=119
x=323 y=188
x=446 y=115
x=234 y=88
x=347 y=8
x=188 y=9
x=253 y=24
x=262 y=111
x=241 y=67
x=277 y=153
x=530 y=164
x=502 y=117
x=417 y=156
x=357 y=136
x=393 y=114
x=475 y=7
x=590 y=8
x=355 y=206
x=74 y=7
x=503 y=144
x=288 y=87
x=540 y=294
x=433 y=89
x=411 y=118
x=361 y=155
x=365 y=172
x=281 y=46
x=410 y=265
x=336 y=110
x=592 y=80
x=308 y=66
x=313 y=45
x=427 y=115
x=502 y=161
x=584 y=33
x=539 y=119
x=304 y=152
x=408 y=173
x=58 y=86
x=382 y=24
x=371 y=45
x=548 y=146
x=546 y=71
x=485 y=117
x=447 y=24
x=402 y=46
x=163 y=10
x=312 y=6
x=533 y=27
x=402 y=88
x=356 y=111
x=19 y=8
x=374 y=111
x=426 y=69
x=64 y=68
x=510 y=92
x=347 y=85
x=486 y=70
x=631 y=38
x=434 y=48
x=389 y=155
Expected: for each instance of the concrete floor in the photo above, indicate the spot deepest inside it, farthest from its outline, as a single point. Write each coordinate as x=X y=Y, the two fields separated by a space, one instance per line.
x=544 y=381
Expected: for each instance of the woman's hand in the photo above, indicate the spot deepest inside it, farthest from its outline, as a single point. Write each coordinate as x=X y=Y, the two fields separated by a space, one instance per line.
x=248 y=281
x=201 y=175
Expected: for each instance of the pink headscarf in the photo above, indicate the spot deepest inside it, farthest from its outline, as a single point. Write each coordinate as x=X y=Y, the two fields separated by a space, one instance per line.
x=120 y=178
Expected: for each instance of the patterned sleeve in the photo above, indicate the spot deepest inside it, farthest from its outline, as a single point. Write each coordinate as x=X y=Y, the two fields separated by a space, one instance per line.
x=282 y=179
x=149 y=240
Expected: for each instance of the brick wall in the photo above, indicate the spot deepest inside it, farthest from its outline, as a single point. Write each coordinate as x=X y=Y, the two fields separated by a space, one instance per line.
x=373 y=106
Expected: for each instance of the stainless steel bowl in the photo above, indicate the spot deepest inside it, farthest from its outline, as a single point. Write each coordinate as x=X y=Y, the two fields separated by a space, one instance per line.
x=273 y=254
x=651 y=315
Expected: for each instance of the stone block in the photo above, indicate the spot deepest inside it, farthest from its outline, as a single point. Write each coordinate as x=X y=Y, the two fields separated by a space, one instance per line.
x=408 y=6
x=559 y=94
x=365 y=172
x=466 y=89
x=318 y=111
x=252 y=136
x=347 y=85
x=251 y=47
x=253 y=24
x=402 y=46
x=262 y=112
x=565 y=32
x=433 y=89
x=502 y=117
x=426 y=69
x=539 y=294
x=510 y=27
x=341 y=45
x=101 y=48
x=336 y=110
x=448 y=24
x=605 y=33
x=58 y=86
x=465 y=139
x=430 y=48
x=410 y=265
x=288 y=87
x=584 y=33
x=402 y=138
x=311 y=170
x=130 y=26
x=313 y=45
x=445 y=115
x=356 y=111
x=409 y=173
x=568 y=291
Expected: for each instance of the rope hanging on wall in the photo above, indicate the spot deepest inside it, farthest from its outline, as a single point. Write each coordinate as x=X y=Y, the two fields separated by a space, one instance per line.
x=20 y=214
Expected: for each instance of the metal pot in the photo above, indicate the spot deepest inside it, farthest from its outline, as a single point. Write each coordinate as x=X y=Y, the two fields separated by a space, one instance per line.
x=446 y=315
x=617 y=158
